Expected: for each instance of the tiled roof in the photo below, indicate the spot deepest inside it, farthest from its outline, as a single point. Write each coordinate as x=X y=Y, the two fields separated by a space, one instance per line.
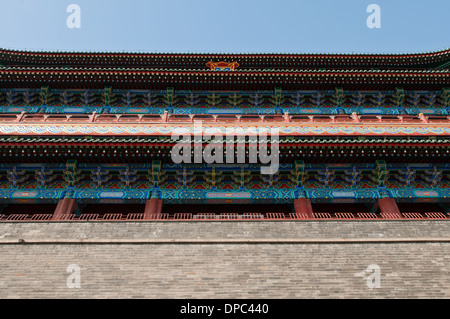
x=194 y=60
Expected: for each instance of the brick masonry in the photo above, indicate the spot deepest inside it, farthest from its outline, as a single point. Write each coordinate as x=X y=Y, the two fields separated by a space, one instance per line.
x=214 y=268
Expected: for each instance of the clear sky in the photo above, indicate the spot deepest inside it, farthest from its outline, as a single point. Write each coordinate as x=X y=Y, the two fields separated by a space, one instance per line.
x=231 y=26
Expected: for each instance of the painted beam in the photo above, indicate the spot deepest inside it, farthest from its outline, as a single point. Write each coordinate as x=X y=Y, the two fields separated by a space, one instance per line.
x=166 y=129
x=208 y=195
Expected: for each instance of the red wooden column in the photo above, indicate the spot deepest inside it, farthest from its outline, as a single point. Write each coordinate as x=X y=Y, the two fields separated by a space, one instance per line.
x=303 y=207
x=388 y=208
x=65 y=206
x=159 y=206
x=151 y=207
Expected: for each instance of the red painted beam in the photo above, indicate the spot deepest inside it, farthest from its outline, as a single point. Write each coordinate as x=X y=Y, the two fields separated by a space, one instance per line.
x=343 y=145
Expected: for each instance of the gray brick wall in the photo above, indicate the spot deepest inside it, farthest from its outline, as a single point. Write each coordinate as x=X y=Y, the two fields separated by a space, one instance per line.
x=204 y=230
x=417 y=267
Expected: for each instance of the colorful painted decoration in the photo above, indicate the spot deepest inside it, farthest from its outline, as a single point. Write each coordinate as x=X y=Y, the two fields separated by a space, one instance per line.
x=349 y=130
x=222 y=66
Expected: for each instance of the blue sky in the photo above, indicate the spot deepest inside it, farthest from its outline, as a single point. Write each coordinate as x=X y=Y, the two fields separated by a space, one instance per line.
x=231 y=26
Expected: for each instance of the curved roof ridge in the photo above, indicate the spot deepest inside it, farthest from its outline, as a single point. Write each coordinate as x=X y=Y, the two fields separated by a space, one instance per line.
x=111 y=53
